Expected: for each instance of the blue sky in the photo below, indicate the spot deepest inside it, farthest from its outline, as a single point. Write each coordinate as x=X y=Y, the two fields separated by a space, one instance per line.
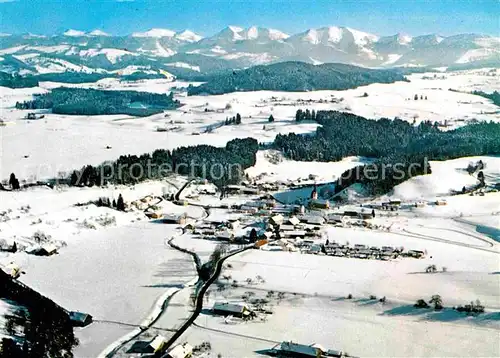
x=382 y=17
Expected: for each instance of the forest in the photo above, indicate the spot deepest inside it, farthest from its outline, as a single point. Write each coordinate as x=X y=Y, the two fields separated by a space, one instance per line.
x=495 y=96
x=295 y=76
x=222 y=166
x=391 y=141
x=16 y=81
x=83 y=101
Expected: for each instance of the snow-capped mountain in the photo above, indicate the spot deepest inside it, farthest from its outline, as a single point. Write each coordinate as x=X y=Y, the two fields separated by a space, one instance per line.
x=159 y=33
x=74 y=33
x=237 y=47
x=98 y=33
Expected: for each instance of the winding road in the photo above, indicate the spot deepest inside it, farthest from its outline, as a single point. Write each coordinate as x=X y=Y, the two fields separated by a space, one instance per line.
x=200 y=297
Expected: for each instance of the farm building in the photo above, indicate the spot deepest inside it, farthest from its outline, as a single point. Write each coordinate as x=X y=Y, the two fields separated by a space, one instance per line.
x=45 y=250
x=334 y=218
x=155 y=345
x=80 y=319
x=225 y=235
x=441 y=202
x=416 y=253
x=234 y=309
x=154 y=215
x=276 y=219
x=291 y=349
x=312 y=219
x=261 y=243
x=294 y=233
x=13 y=270
x=293 y=221
x=286 y=227
x=174 y=219
x=180 y=351
x=239 y=189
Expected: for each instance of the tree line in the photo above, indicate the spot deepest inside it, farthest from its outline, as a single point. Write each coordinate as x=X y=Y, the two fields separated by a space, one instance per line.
x=222 y=166
x=84 y=101
x=16 y=81
x=295 y=76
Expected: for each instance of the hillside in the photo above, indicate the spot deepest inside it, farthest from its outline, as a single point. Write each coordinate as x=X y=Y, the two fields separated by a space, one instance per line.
x=295 y=76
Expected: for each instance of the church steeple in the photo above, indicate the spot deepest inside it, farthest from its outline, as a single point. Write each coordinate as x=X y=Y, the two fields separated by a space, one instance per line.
x=314 y=194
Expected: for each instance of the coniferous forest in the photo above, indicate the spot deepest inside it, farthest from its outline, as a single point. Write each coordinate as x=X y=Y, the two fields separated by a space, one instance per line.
x=83 y=101
x=295 y=76
x=222 y=166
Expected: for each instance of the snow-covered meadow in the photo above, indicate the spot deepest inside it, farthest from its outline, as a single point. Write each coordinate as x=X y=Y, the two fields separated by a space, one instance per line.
x=117 y=265
x=43 y=148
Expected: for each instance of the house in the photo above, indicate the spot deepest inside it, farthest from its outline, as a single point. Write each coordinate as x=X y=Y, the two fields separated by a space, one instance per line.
x=334 y=218
x=174 y=219
x=80 y=319
x=312 y=219
x=180 y=351
x=294 y=233
x=314 y=249
x=286 y=227
x=291 y=349
x=13 y=270
x=389 y=206
x=293 y=221
x=154 y=215
x=234 y=309
x=276 y=219
x=32 y=115
x=45 y=250
x=420 y=204
x=416 y=253
x=260 y=243
x=319 y=204
x=441 y=202
x=224 y=235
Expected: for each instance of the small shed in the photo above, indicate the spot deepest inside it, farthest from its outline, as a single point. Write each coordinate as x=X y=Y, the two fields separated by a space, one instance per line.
x=80 y=319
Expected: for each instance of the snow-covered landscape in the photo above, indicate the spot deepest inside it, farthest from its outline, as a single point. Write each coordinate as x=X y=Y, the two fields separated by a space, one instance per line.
x=290 y=256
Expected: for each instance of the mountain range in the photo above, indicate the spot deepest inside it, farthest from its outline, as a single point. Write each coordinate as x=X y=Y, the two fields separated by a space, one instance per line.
x=187 y=53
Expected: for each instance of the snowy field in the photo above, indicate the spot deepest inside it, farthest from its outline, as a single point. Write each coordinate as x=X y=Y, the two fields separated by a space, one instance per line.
x=43 y=148
x=316 y=288
x=432 y=185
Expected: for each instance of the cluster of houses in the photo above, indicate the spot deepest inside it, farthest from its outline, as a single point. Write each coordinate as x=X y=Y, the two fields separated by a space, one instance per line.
x=369 y=252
